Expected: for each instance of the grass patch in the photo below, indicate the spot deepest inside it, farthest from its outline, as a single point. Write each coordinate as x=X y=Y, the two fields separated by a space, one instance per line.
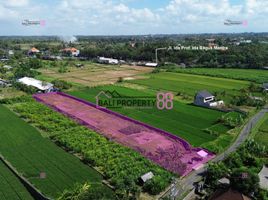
x=188 y=84
x=218 y=129
x=255 y=75
x=261 y=135
x=10 y=92
x=184 y=120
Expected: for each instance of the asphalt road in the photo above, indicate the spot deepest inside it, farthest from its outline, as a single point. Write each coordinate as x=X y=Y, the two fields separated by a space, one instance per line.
x=181 y=186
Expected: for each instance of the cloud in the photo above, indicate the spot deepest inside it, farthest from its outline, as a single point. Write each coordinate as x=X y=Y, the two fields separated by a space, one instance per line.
x=15 y=3
x=256 y=7
x=117 y=17
x=121 y=8
x=203 y=9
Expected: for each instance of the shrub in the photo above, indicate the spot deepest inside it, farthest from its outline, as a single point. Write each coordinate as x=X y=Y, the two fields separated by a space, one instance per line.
x=120 y=80
x=62 y=85
x=25 y=88
x=84 y=192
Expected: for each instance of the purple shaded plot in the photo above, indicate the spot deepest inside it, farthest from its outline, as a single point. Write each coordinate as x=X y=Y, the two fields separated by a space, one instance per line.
x=163 y=148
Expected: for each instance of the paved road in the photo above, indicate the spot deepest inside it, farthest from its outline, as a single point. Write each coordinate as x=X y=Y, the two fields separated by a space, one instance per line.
x=185 y=184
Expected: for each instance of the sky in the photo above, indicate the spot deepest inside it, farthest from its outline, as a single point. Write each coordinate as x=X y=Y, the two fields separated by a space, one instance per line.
x=131 y=17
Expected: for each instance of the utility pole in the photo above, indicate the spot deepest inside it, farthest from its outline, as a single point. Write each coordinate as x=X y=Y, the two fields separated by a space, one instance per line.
x=156 y=51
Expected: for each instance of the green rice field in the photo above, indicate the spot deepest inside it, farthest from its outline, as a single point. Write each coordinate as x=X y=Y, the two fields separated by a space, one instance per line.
x=255 y=75
x=10 y=187
x=184 y=120
x=31 y=154
x=190 y=84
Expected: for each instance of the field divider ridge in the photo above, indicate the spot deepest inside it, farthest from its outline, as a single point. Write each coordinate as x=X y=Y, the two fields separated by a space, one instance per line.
x=35 y=193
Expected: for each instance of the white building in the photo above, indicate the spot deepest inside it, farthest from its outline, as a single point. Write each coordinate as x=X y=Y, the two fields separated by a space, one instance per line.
x=41 y=86
x=246 y=41
x=147 y=176
x=263 y=175
x=204 y=98
x=108 y=60
x=10 y=52
x=151 y=64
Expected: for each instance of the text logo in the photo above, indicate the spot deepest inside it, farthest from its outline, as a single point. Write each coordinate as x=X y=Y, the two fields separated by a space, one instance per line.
x=112 y=99
x=165 y=101
x=229 y=22
x=27 y=22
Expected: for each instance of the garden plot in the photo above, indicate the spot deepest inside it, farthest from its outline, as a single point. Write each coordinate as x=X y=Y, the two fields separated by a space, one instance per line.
x=163 y=148
x=97 y=74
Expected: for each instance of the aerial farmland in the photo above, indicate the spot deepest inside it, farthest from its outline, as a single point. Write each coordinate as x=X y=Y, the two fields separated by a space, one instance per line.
x=65 y=122
x=36 y=155
x=65 y=130
x=133 y=100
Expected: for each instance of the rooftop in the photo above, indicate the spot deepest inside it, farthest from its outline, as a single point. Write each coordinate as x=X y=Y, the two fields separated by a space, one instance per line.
x=224 y=181
x=204 y=94
x=147 y=176
x=265 y=85
x=263 y=175
x=229 y=195
x=34 y=50
x=151 y=64
x=72 y=49
x=35 y=83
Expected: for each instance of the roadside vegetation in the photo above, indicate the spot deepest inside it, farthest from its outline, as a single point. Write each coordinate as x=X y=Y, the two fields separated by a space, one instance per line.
x=242 y=168
x=261 y=132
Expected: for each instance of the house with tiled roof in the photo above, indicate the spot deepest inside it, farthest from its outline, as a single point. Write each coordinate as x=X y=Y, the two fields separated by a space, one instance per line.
x=229 y=195
x=33 y=51
x=71 y=51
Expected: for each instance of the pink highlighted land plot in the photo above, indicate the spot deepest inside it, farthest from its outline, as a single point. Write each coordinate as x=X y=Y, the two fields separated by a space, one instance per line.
x=163 y=148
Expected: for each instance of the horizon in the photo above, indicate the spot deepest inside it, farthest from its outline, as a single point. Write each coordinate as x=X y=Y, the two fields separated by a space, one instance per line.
x=158 y=34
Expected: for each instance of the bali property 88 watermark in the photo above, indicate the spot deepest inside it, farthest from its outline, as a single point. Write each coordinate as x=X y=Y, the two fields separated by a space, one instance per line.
x=108 y=99
x=229 y=22
x=27 y=22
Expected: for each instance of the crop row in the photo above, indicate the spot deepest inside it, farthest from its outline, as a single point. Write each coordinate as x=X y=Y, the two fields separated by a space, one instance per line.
x=31 y=154
x=254 y=75
x=10 y=186
x=120 y=165
x=189 y=84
